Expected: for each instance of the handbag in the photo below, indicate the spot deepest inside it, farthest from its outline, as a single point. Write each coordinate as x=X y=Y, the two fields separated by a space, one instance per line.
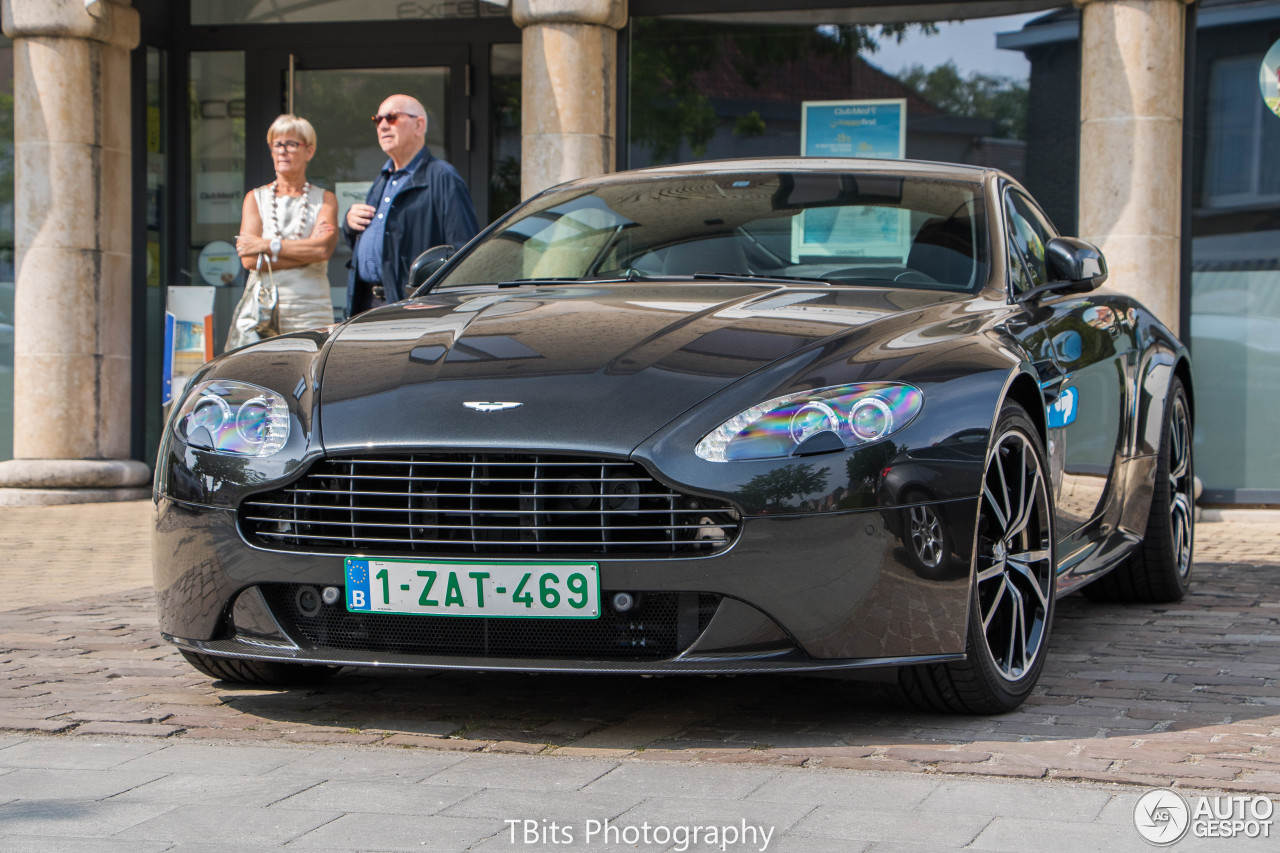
x=257 y=315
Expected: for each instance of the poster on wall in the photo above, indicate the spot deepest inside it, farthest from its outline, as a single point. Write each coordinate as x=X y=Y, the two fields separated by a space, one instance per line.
x=875 y=129
x=188 y=337
x=219 y=198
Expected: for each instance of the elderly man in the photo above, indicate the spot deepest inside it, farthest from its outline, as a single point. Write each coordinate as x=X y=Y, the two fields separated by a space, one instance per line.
x=416 y=202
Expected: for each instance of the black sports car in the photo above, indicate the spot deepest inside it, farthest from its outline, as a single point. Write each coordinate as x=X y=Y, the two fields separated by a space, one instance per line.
x=757 y=416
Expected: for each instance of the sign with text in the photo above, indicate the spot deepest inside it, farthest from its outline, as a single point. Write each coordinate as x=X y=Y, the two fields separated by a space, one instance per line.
x=875 y=129
x=349 y=193
x=219 y=197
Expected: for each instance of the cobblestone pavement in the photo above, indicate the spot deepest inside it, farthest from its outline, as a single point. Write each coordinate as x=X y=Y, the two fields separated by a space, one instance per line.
x=1185 y=694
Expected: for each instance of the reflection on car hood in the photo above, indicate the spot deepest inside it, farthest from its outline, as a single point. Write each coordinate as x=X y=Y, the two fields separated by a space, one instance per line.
x=594 y=367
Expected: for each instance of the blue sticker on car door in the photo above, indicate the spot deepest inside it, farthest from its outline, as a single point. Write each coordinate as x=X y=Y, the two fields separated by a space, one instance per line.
x=1063 y=411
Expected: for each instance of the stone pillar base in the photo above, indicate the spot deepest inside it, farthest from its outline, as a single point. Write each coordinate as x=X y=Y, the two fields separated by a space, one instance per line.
x=44 y=482
x=58 y=497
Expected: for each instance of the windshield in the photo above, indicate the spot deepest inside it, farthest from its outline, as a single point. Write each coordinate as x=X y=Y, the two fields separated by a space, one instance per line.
x=838 y=227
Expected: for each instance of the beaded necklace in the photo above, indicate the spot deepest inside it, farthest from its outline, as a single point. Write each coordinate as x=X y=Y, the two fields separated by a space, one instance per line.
x=301 y=230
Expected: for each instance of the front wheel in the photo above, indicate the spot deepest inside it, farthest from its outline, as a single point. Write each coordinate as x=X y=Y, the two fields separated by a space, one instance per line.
x=1013 y=584
x=258 y=672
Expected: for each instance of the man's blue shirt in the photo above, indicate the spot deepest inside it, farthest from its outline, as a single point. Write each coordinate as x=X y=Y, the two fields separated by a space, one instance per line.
x=369 y=246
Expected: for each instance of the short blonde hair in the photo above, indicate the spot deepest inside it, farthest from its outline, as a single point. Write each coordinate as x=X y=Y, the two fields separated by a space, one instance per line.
x=288 y=124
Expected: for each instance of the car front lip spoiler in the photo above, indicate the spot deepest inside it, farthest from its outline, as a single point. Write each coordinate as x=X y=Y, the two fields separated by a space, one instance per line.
x=787 y=662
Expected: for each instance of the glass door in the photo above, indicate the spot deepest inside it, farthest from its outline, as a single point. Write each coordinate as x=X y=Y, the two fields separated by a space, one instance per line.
x=338 y=93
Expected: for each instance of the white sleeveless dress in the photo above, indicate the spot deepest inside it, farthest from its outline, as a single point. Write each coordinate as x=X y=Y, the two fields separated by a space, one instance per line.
x=303 y=291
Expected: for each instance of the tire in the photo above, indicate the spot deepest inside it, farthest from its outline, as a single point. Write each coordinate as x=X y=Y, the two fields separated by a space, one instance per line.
x=1012 y=586
x=1160 y=569
x=260 y=672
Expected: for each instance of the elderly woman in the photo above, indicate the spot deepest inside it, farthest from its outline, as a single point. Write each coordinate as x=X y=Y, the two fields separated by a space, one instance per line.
x=288 y=230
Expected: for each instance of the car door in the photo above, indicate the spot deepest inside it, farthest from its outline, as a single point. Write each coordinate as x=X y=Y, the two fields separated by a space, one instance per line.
x=1081 y=355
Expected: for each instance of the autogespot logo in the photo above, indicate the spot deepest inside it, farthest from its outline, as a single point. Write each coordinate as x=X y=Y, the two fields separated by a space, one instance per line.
x=1162 y=816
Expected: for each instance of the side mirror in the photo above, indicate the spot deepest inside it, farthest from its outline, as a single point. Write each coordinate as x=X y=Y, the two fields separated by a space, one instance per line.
x=1076 y=266
x=426 y=265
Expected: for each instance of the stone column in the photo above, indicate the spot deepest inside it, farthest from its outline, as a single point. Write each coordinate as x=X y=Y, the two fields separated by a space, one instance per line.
x=72 y=215
x=1131 y=90
x=570 y=72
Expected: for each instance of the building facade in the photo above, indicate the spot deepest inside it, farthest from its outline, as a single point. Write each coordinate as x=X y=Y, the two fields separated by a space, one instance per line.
x=134 y=130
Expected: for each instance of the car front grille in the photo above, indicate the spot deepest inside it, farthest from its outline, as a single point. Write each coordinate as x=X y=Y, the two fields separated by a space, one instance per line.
x=486 y=503
x=659 y=626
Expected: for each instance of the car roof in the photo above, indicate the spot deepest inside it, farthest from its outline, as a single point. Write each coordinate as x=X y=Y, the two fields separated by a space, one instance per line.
x=908 y=168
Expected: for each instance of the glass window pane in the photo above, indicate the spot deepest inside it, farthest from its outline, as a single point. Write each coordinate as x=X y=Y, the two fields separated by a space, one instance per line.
x=875 y=229
x=338 y=103
x=717 y=88
x=1235 y=338
x=1233 y=114
x=504 y=124
x=1028 y=267
x=159 y=239
x=1235 y=287
x=315 y=11
x=217 y=150
x=6 y=248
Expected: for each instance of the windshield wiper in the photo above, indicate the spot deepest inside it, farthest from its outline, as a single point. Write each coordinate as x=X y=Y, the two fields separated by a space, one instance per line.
x=522 y=282
x=739 y=276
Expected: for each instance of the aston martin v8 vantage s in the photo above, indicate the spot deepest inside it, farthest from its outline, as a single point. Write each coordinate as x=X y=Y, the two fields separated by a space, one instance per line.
x=738 y=417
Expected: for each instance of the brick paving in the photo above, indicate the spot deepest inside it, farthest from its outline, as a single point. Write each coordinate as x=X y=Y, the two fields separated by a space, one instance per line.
x=1185 y=694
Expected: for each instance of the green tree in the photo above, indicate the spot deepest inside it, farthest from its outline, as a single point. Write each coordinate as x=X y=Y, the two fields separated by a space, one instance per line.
x=667 y=108
x=979 y=95
x=785 y=482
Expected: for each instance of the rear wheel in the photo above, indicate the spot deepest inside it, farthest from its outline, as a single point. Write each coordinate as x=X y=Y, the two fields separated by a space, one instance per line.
x=1011 y=609
x=258 y=672
x=1160 y=569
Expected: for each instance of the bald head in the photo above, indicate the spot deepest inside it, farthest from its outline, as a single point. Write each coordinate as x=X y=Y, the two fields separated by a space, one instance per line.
x=404 y=138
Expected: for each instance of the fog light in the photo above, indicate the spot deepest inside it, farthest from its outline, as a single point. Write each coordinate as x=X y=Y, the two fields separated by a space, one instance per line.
x=308 y=600
x=623 y=601
x=331 y=595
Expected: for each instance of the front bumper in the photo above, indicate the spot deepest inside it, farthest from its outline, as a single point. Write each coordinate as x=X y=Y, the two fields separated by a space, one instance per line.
x=823 y=591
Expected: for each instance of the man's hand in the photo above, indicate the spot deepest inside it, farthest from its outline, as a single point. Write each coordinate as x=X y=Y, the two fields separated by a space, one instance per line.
x=359 y=216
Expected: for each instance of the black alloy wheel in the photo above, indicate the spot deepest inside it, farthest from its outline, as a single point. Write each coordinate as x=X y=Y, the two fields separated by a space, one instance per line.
x=1013 y=584
x=1159 y=570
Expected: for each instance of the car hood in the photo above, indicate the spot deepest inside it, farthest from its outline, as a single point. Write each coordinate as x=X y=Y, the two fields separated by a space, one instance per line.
x=594 y=367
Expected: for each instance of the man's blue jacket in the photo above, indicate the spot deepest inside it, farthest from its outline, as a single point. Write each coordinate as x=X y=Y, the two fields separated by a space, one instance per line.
x=434 y=209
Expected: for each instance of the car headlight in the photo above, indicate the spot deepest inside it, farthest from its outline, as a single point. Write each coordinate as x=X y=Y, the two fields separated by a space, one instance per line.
x=235 y=418
x=850 y=414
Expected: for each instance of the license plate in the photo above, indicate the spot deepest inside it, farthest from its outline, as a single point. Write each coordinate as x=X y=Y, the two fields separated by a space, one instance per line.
x=441 y=588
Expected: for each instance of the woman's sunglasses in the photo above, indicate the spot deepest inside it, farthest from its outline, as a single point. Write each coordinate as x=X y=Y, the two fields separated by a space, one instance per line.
x=391 y=117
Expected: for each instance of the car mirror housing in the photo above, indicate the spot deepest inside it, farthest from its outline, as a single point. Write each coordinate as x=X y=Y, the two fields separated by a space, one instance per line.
x=426 y=265
x=1077 y=266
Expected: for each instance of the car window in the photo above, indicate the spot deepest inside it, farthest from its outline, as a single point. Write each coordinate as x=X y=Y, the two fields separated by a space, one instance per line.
x=1028 y=235
x=846 y=228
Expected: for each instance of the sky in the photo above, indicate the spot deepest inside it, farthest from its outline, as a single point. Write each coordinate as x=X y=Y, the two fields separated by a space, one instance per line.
x=971 y=44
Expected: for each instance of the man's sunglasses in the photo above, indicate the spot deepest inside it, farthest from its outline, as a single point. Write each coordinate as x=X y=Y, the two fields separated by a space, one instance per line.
x=391 y=117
